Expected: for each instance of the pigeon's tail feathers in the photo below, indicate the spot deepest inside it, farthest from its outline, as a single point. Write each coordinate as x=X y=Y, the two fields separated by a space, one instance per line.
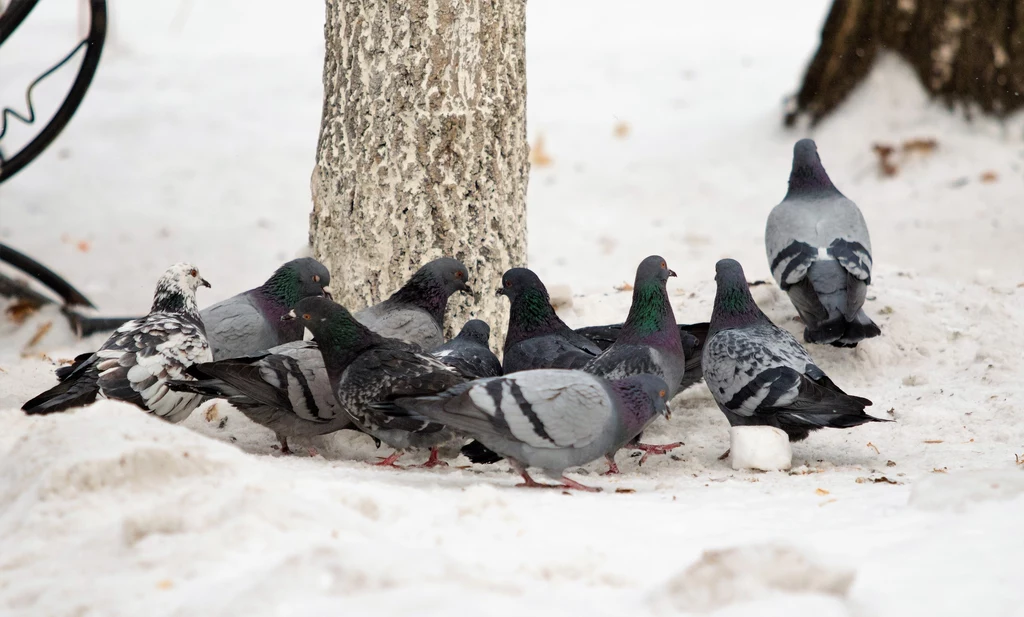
x=826 y=332
x=388 y=415
x=480 y=454
x=75 y=390
x=860 y=328
x=63 y=372
x=213 y=388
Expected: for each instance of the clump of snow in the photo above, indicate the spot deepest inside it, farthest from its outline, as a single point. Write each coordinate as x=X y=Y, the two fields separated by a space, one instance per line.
x=959 y=490
x=746 y=573
x=763 y=448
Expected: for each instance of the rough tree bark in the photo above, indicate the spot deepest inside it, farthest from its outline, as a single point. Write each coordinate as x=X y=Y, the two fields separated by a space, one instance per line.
x=422 y=149
x=965 y=52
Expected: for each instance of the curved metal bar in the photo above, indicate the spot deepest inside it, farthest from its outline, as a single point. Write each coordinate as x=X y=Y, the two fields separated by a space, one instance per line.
x=12 y=17
x=44 y=275
x=97 y=35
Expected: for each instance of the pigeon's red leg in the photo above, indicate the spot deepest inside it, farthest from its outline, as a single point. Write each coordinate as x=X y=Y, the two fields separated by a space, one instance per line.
x=649 y=449
x=433 y=461
x=527 y=480
x=567 y=483
x=312 y=451
x=284 y=445
x=390 y=461
x=613 y=469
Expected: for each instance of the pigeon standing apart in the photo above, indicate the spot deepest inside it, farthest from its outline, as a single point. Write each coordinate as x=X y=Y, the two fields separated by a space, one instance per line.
x=138 y=359
x=468 y=352
x=536 y=337
x=250 y=322
x=365 y=368
x=820 y=254
x=549 y=418
x=285 y=389
x=415 y=313
x=649 y=342
x=760 y=375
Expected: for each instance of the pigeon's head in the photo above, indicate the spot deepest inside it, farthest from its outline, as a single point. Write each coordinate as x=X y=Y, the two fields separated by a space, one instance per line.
x=729 y=271
x=176 y=289
x=451 y=273
x=299 y=278
x=734 y=306
x=519 y=280
x=808 y=177
x=644 y=398
x=476 y=330
x=653 y=268
x=330 y=323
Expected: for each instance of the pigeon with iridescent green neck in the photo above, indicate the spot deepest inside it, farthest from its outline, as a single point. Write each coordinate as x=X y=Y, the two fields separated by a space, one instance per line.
x=760 y=375
x=648 y=343
x=415 y=313
x=250 y=322
x=536 y=337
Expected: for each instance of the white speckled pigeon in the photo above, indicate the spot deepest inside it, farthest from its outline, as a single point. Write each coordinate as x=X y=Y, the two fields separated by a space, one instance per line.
x=138 y=359
x=760 y=375
x=649 y=342
x=468 y=352
x=548 y=418
x=820 y=254
x=285 y=389
x=366 y=368
x=415 y=313
x=250 y=322
x=536 y=337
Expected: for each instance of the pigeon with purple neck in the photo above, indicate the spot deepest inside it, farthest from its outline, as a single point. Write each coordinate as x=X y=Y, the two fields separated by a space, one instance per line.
x=415 y=313
x=250 y=322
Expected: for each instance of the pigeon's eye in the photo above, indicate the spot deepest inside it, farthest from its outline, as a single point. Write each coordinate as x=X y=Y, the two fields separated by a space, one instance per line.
x=306 y=316
x=663 y=265
x=459 y=274
x=508 y=283
x=316 y=278
x=193 y=272
x=661 y=394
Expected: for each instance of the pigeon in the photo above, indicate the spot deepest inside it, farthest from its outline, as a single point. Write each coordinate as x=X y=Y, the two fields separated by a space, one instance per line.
x=250 y=322
x=468 y=352
x=285 y=389
x=138 y=359
x=760 y=375
x=548 y=418
x=649 y=342
x=692 y=335
x=365 y=367
x=415 y=313
x=536 y=337
x=820 y=254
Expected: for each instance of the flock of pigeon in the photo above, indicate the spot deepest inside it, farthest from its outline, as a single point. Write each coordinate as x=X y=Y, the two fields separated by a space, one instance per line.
x=558 y=399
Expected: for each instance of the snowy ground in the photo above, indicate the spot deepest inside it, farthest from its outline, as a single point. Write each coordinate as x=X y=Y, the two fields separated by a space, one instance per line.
x=196 y=142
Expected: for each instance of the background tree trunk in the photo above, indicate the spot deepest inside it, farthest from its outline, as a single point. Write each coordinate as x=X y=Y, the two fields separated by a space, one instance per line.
x=422 y=148
x=963 y=51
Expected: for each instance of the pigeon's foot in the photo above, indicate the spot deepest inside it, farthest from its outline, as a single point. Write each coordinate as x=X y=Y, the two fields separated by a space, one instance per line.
x=284 y=445
x=390 y=461
x=649 y=449
x=613 y=469
x=573 y=484
x=312 y=451
x=434 y=461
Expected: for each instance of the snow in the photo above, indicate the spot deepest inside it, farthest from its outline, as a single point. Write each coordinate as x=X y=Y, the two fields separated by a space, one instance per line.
x=662 y=121
x=761 y=448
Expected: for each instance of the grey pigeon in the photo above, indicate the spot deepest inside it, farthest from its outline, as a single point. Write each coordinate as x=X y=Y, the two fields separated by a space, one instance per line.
x=536 y=337
x=760 y=375
x=365 y=368
x=138 y=359
x=649 y=342
x=820 y=254
x=692 y=335
x=250 y=322
x=468 y=352
x=415 y=313
x=549 y=418
x=285 y=389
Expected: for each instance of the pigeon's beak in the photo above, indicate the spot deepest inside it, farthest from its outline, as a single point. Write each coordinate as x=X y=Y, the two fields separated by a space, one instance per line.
x=289 y=316
x=500 y=292
x=668 y=411
x=672 y=273
x=327 y=293
x=205 y=283
x=466 y=289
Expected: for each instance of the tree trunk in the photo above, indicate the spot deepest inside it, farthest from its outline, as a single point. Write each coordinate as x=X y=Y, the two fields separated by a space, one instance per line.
x=965 y=52
x=422 y=148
